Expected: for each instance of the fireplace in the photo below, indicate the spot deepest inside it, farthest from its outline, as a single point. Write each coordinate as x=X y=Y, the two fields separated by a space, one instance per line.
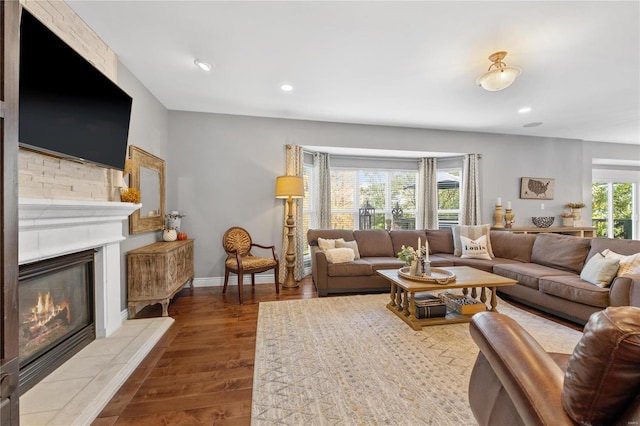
x=85 y=237
x=56 y=313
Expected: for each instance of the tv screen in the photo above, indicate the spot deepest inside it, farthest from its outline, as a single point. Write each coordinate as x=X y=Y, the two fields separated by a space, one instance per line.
x=67 y=107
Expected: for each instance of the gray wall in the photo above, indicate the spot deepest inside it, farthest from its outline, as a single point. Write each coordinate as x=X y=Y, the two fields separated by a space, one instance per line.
x=147 y=130
x=221 y=170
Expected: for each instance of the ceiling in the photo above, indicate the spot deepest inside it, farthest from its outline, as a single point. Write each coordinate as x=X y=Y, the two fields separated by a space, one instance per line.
x=410 y=64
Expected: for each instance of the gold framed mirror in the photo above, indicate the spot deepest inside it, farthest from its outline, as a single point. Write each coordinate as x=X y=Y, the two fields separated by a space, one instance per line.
x=146 y=174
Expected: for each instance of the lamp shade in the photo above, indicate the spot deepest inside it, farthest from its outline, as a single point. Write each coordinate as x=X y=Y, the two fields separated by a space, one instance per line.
x=289 y=186
x=498 y=79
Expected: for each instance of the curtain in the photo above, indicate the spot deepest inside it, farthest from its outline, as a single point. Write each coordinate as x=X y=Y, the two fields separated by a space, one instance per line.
x=427 y=193
x=323 y=191
x=295 y=167
x=470 y=191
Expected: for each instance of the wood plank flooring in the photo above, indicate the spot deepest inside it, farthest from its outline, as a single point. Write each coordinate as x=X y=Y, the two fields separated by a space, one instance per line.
x=201 y=371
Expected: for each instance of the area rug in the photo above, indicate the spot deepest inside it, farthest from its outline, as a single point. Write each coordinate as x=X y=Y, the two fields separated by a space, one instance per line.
x=350 y=361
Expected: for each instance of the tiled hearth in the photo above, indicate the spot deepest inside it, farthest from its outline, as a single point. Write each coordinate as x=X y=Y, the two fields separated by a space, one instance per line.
x=77 y=391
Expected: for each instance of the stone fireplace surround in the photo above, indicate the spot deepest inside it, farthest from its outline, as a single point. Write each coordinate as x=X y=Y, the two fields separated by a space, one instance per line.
x=77 y=391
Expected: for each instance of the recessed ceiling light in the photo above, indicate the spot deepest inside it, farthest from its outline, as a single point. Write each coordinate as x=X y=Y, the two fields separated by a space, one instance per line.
x=533 y=124
x=286 y=87
x=204 y=66
x=524 y=110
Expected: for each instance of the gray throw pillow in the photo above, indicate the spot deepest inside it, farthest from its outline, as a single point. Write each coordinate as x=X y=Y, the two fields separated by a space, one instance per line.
x=600 y=270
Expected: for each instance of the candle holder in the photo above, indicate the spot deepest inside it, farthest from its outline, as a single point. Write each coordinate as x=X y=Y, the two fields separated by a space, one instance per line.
x=498 y=217
x=509 y=217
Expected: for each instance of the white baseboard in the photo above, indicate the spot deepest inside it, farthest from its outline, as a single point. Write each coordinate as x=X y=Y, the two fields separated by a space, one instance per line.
x=233 y=280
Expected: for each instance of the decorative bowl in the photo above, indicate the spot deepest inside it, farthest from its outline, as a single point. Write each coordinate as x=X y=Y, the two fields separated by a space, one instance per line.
x=543 y=221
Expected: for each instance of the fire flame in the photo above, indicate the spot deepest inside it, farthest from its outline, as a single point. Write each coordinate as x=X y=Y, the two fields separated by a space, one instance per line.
x=45 y=309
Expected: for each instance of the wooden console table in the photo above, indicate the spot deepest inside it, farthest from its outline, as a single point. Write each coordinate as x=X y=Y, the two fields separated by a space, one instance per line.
x=155 y=273
x=583 y=231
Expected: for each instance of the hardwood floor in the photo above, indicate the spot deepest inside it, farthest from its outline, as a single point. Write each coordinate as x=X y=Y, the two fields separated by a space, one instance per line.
x=201 y=371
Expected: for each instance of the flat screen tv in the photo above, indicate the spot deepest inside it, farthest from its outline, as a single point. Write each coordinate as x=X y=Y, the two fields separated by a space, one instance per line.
x=68 y=108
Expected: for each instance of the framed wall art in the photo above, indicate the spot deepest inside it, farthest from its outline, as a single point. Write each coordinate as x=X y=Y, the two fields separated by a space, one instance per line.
x=537 y=188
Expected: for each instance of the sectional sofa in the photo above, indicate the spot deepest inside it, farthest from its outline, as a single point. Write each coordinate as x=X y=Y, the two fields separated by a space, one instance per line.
x=547 y=267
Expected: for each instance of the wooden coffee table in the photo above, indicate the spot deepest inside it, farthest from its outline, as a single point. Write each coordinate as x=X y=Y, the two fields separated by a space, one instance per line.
x=403 y=290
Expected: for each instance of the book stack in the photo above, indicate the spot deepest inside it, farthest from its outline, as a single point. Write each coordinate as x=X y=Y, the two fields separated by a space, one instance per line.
x=429 y=306
x=462 y=304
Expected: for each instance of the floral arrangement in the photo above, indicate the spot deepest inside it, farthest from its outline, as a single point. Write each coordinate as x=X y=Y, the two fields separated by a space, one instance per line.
x=408 y=254
x=574 y=205
x=130 y=195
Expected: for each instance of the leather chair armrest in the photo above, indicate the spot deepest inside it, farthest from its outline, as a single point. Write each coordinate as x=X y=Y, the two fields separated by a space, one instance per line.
x=529 y=375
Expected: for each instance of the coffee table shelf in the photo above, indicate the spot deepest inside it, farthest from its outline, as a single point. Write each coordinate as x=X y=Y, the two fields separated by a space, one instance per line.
x=402 y=294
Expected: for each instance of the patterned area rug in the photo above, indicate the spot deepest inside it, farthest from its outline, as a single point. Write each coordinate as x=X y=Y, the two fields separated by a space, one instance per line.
x=350 y=361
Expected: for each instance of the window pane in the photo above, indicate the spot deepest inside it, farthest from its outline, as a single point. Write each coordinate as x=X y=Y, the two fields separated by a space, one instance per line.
x=372 y=188
x=622 y=210
x=343 y=193
x=342 y=221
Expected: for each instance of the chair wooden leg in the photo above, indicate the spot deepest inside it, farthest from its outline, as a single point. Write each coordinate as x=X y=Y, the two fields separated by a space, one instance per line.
x=277 y=269
x=226 y=280
x=240 y=279
x=253 y=280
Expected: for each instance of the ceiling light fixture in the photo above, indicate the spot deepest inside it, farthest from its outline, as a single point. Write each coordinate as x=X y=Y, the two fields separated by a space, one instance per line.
x=524 y=110
x=499 y=76
x=204 y=66
x=286 y=88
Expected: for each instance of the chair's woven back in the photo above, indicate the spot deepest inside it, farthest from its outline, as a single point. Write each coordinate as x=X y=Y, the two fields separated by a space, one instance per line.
x=236 y=238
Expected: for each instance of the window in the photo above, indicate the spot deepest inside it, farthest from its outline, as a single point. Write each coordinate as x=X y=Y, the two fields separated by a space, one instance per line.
x=614 y=204
x=308 y=213
x=448 y=197
x=387 y=191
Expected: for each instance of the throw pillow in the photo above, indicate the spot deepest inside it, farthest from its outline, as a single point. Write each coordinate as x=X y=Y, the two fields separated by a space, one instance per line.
x=326 y=244
x=628 y=264
x=600 y=270
x=474 y=249
x=473 y=232
x=353 y=245
x=339 y=255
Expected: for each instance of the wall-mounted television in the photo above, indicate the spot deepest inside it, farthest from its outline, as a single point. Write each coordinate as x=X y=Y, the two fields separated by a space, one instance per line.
x=68 y=108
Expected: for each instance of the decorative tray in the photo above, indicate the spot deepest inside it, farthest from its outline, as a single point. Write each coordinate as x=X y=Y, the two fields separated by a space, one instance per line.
x=438 y=276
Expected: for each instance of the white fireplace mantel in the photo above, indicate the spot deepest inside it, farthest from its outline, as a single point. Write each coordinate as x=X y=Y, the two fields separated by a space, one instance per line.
x=50 y=228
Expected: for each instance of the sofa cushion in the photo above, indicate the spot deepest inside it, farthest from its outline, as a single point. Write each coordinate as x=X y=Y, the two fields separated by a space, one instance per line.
x=443 y=259
x=600 y=271
x=440 y=240
x=625 y=247
x=474 y=249
x=628 y=264
x=571 y=287
x=527 y=274
x=482 y=264
x=334 y=234
x=603 y=373
x=339 y=255
x=384 y=263
x=327 y=244
x=509 y=245
x=564 y=252
x=349 y=269
x=353 y=245
x=407 y=239
x=374 y=242
x=473 y=232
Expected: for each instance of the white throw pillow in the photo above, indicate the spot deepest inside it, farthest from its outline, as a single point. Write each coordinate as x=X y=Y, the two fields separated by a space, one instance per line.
x=628 y=264
x=339 y=255
x=473 y=232
x=326 y=244
x=474 y=249
x=353 y=245
x=600 y=270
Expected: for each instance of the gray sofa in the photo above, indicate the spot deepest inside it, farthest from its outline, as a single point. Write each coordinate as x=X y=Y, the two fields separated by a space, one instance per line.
x=547 y=267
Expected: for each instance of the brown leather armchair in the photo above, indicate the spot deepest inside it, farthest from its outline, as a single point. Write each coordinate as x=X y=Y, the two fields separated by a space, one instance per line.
x=516 y=382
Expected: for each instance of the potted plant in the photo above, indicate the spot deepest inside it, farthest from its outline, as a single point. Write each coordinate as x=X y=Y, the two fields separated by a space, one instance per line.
x=576 y=211
x=567 y=218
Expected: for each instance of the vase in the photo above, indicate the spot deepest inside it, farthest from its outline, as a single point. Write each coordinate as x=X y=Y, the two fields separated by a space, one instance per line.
x=567 y=221
x=577 y=217
x=170 y=235
x=412 y=267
